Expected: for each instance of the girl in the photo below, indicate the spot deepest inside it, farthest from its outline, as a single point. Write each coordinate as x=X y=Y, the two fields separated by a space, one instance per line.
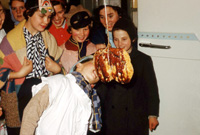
x=78 y=46
x=28 y=53
x=59 y=26
x=130 y=109
x=113 y=13
x=17 y=8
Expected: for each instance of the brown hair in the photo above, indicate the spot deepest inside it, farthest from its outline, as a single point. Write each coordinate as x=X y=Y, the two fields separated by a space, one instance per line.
x=10 y=3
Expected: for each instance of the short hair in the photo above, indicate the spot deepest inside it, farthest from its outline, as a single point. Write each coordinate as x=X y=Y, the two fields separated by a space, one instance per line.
x=69 y=29
x=31 y=7
x=10 y=3
x=54 y=3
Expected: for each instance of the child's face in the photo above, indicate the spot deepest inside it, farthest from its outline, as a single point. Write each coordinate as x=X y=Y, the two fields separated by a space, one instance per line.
x=87 y=69
x=38 y=22
x=121 y=39
x=18 y=8
x=59 y=18
x=81 y=34
x=112 y=17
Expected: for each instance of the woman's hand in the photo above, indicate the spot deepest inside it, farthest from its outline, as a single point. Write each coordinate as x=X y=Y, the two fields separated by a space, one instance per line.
x=26 y=68
x=52 y=66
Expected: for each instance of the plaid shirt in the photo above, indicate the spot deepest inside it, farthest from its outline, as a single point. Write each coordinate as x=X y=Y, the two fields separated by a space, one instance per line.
x=92 y=94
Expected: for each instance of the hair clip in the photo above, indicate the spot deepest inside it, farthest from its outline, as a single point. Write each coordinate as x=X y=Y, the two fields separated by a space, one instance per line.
x=45 y=5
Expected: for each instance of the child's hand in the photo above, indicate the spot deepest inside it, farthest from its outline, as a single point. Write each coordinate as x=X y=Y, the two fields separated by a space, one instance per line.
x=52 y=66
x=1 y=112
x=153 y=123
x=100 y=46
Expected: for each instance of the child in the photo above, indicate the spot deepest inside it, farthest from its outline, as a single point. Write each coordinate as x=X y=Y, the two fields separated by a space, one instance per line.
x=62 y=105
x=133 y=108
x=59 y=26
x=112 y=14
x=17 y=8
x=28 y=53
x=79 y=24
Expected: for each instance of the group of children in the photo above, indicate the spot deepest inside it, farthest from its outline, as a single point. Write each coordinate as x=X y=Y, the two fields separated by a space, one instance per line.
x=49 y=89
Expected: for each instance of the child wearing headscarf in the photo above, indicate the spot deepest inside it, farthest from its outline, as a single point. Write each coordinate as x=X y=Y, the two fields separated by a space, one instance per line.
x=132 y=108
x=17 y=8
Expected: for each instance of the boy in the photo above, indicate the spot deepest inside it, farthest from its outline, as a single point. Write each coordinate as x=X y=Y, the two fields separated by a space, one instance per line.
x=79 y=24
x=61 y=104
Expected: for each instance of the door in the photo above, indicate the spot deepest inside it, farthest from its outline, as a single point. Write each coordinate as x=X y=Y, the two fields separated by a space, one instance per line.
x=169 y=31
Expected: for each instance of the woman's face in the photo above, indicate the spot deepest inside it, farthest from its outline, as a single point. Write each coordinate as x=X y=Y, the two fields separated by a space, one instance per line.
x=81 y=34
x=18 y=8
x=2 y=17
x=112 y=17
x=38 y=22
x=59 y=18
x=121 y=39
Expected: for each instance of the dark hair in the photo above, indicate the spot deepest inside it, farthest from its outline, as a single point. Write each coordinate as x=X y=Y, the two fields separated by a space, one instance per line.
x=10 y=3
x=70 y=28
x=31 y=7
x=119 y=10
x=64 y=5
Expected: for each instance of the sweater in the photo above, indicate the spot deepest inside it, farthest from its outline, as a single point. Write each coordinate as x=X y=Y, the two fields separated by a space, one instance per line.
x=13 y=51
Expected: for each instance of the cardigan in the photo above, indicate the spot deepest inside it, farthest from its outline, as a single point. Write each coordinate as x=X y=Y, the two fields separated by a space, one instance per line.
x=13 y=51
x=71 y=53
